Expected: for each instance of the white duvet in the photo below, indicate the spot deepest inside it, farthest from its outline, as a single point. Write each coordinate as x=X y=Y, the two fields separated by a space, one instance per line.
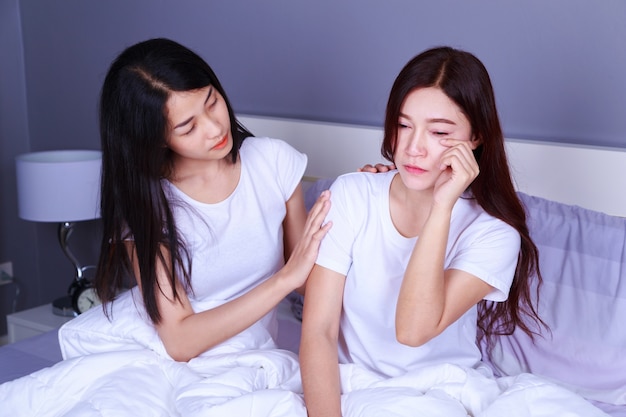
x=267 y=383
x=452 y=391
x=120 y=368
x=142 y=383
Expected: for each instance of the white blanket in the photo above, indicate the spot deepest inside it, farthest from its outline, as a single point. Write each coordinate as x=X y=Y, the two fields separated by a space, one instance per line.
x=267 y=383
x=140 y=382
x=120 y=368
x=451 y=391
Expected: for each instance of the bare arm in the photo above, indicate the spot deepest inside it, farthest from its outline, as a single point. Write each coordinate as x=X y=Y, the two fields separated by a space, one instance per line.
x=432 y=298
x=186 y=334
x=293 y=225
x=318 y=346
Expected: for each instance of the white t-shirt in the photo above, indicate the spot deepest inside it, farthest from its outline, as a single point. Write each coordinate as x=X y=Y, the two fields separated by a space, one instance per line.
x=365 y=246
x=238 y=243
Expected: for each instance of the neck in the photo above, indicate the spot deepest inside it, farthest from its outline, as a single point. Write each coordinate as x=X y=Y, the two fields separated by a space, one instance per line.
x=207 y=181
x=408 y=208
x=186 y=169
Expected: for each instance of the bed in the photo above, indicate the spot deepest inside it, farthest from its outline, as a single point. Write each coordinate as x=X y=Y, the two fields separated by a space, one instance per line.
x=575 y=216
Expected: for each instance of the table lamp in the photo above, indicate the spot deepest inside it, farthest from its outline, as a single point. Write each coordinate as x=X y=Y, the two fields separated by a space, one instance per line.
x=60 y=186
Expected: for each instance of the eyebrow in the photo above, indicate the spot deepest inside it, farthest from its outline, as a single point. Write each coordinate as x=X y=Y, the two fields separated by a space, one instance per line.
x=433 y=120
x=450 y=122
x=208 y=96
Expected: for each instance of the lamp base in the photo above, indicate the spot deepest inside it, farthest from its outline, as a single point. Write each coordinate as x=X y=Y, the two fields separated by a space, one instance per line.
x=63 y=307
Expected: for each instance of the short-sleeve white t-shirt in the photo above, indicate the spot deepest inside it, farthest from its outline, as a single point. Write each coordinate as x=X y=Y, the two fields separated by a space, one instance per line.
x=365 y=246
x=238 y=243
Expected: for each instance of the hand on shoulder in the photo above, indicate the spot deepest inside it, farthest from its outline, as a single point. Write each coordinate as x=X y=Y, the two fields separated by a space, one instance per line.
x=376 y=168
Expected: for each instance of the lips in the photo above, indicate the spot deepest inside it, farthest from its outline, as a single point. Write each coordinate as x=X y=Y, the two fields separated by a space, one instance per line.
x=222 y=143
x=411 y=169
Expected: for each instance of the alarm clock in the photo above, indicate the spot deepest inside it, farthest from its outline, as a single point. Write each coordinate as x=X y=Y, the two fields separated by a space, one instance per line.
x=83 y=295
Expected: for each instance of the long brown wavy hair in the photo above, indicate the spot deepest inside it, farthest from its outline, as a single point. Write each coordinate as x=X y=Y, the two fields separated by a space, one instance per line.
x=465 y=80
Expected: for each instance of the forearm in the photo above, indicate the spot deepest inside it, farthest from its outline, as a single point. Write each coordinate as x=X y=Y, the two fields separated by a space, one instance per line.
x=320 y=376
x=318 y=345
x=191 y=334
x=421 y=301
x=186 y=334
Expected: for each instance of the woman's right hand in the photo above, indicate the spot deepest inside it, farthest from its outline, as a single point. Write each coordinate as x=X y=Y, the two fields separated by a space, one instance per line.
x=305 y=252
x=459 y=168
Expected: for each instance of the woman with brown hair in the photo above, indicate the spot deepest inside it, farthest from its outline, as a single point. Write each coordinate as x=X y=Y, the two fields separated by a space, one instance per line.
x=424 y=260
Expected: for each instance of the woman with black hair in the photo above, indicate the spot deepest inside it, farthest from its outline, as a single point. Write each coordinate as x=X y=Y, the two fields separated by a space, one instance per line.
x=194 y=208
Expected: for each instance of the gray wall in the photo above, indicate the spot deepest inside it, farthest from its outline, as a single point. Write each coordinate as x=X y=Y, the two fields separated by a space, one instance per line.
x=557 y=66
x=17 y=239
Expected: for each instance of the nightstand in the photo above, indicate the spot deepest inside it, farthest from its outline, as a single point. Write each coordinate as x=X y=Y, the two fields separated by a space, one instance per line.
x=32 y=322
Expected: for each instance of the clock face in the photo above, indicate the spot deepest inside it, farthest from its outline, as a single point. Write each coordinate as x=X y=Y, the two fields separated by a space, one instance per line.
x=87 y=299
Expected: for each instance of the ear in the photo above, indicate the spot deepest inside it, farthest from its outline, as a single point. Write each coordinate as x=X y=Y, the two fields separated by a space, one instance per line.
x=475 y=142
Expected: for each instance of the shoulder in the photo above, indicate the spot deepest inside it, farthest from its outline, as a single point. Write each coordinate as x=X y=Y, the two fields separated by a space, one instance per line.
x=484 y=246
x=266 y=145
x=364 y=183
x=273 y=160
x=360 y=190
x=275 y=152
x=472 y=219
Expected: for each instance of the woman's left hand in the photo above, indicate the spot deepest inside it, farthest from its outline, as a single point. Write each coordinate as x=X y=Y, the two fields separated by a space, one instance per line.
x=459 y=169
x=304 y=254
x=375 y=169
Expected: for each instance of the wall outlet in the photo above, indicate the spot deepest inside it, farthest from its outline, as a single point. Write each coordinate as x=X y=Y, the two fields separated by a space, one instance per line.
x=6 y=273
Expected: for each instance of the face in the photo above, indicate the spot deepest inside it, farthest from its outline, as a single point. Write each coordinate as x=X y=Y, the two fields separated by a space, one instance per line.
x=426 y=117
x=199 y=124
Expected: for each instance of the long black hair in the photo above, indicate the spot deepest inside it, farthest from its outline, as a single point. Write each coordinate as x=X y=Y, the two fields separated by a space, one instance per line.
x=135 y=158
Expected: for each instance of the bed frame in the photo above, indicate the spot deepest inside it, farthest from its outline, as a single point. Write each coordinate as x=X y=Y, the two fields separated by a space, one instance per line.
x=586 y=176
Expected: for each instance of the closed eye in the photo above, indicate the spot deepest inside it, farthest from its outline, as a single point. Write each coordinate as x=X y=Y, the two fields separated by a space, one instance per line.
x=193 y=127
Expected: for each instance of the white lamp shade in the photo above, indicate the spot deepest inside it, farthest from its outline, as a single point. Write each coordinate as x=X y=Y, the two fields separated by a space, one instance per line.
x=59 y=186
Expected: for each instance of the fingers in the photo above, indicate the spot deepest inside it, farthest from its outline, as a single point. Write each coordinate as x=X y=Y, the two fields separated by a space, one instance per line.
x=318 y=213
x=376 y=168
x=460 y=158
x=459 y=169
x=382 y=168
x=305 y=252
x=321 y=232
x=321 y=204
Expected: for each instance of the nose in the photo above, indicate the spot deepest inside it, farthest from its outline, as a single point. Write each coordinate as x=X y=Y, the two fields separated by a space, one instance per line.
x=211 y=127
x=416 y=145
